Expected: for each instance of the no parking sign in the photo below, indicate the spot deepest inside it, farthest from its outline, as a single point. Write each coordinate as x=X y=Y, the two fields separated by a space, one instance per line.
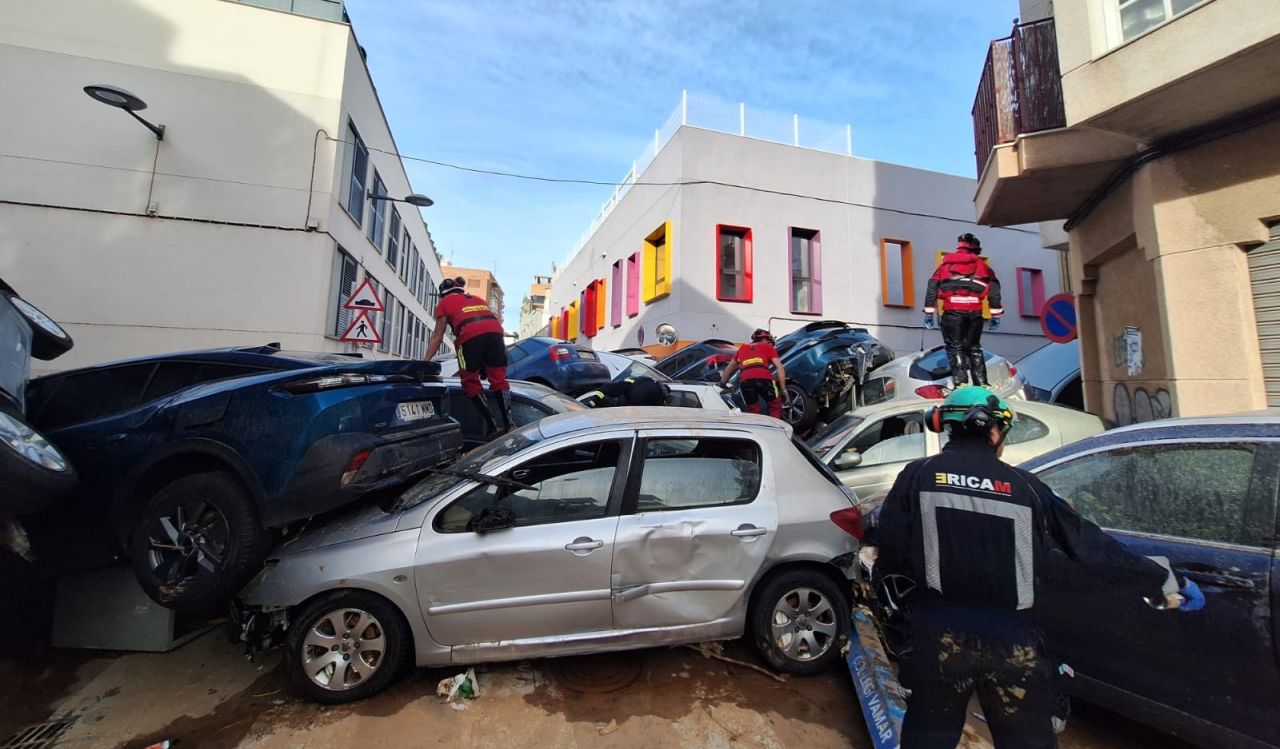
x=1058 y=318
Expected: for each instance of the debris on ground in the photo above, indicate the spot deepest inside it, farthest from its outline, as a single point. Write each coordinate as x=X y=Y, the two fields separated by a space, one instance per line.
x=459 y=690
x=716 y=650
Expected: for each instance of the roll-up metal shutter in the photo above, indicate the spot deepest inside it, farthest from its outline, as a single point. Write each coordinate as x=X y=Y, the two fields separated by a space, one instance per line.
x=1264 y=277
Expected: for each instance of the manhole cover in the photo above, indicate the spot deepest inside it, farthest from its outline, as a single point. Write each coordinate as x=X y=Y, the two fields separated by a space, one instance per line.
x=38 y=736
x=596 y=674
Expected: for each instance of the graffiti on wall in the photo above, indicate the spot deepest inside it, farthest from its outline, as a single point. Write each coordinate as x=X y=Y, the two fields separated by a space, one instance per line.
x=1140 y=406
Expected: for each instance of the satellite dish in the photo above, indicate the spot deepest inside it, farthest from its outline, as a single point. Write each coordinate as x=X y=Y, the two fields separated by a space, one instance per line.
x=667 y=335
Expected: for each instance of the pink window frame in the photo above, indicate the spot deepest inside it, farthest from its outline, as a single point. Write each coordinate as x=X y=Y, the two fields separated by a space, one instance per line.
x=1036 y=291
x=747 y=269
x=633 y=284
x=815 y=265
x=615 y=306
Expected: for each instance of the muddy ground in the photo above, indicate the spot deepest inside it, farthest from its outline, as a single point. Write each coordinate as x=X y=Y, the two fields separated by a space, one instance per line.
x=207 y=695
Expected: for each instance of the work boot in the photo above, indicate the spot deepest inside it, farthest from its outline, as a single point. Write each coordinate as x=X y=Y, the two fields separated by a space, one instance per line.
x=504 y=410
x=978 y=368
x=482 y=405
x=956 y=361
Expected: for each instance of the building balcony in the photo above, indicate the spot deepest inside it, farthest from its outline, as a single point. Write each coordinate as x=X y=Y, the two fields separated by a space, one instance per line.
x=1030 y=167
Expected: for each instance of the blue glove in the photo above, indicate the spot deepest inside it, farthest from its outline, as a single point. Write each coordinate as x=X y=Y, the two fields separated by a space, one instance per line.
x=1193 y=598
x=995 y=324
x=928 y=322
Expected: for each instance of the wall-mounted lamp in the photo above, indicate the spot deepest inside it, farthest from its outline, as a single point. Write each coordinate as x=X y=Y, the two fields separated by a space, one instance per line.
x=114 y=96
x=422 y=201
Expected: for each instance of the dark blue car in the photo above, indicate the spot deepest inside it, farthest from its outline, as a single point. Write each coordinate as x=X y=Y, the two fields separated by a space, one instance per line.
x=187 y=461
x=567 y=367
x=1201 y=493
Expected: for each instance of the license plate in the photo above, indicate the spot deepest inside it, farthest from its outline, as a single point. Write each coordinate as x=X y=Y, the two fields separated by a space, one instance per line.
x=415 y=410
x=583 y=353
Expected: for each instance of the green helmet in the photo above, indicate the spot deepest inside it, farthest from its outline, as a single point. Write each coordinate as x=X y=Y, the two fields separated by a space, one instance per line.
x=963 y=404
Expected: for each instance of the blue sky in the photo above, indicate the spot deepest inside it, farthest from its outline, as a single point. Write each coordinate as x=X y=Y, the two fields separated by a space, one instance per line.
x=575 y=89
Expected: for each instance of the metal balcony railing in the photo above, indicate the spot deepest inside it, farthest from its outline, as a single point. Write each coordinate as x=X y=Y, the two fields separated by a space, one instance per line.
x=1020 y=90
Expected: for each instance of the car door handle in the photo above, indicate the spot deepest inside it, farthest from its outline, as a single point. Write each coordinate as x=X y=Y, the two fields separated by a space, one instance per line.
x=583 y=543
x=1205 y=574
x=748 y=530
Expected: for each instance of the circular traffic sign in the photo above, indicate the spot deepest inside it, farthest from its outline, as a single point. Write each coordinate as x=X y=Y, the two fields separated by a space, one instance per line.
x=1058 y=318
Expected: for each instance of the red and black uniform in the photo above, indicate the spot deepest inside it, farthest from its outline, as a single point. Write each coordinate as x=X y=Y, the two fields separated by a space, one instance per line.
x=478 y=334
x=963 y=282
x=756 y=379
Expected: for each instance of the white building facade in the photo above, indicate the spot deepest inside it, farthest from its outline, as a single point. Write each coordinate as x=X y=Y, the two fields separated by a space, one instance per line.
x=741 y=233
x=248 y=223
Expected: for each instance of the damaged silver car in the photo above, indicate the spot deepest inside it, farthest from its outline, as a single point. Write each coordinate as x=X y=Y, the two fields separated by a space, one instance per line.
x=582 y=533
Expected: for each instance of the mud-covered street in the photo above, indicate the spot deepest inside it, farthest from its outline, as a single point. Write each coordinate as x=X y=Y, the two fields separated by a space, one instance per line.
x=206 y=696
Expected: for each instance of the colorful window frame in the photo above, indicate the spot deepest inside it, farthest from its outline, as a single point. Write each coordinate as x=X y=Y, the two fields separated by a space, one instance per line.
x=1030 y=291
x=897 y=278
x=615 y=307
x=633 y=284
x=657 y=263
x=804 y=270
x=745 y=271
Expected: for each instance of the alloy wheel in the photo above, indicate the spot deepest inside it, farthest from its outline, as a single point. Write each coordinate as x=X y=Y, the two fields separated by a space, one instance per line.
x=30 y=444
x=343 y=649
x=187 y=543
x=795 y=411
x=803 y=624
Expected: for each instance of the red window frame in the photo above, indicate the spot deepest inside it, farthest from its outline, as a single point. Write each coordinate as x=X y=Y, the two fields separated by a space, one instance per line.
x=747 y=269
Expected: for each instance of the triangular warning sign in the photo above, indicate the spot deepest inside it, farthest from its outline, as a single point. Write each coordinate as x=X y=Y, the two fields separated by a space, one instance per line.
x=365 y=297
x=362 y=330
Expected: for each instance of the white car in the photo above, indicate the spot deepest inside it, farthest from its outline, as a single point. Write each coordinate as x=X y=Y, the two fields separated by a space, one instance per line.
x=702 y=395
x=925 y=374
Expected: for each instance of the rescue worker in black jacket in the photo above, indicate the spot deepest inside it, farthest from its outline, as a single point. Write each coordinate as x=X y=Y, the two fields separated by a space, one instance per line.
x=965 y=539
x=632 y=391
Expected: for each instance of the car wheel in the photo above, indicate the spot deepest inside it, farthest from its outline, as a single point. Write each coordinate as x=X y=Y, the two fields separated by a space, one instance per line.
x=33 y=472
x=48 y=339
x=800 y=621
x=198 y=541
x=346 y=646
x=803 y=410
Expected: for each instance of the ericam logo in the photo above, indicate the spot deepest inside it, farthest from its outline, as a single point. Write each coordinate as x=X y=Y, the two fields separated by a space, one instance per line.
x=973 y=482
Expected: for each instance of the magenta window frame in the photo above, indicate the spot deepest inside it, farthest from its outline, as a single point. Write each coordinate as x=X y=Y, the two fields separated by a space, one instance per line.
x=633 y=284
x=1036 y=291
x=615 y=302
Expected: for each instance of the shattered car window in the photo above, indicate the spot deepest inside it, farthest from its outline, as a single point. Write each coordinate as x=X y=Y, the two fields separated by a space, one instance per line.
x=827 y=438
x=436 y=483
x=686 y=473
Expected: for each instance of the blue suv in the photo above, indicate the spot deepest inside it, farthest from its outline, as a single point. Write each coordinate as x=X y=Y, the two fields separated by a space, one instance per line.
x=188 y=461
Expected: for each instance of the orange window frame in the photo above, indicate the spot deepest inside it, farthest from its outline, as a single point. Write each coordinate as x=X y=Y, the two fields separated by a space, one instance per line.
x=908 y=273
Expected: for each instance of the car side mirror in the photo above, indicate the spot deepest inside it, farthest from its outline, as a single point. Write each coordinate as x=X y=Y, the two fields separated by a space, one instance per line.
x=848 y=459
x=492 y=519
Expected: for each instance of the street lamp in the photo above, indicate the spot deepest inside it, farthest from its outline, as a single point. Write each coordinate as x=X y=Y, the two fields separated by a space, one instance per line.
x=422 y=201
x=114 y=96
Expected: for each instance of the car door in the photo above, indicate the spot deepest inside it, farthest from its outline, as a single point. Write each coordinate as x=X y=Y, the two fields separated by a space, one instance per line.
x=547 y=573
x=879 y=449
x=1209 y=508
x=697 y=525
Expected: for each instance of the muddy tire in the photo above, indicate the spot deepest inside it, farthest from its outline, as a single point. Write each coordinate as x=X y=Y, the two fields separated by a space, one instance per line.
x=48 y=339
x=346 y=646
x=800 y=620
x=198 y=542
x=33 y=472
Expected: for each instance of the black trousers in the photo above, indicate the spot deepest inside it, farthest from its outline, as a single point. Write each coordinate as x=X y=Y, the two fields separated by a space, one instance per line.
x=954 y=651
x=962 y=336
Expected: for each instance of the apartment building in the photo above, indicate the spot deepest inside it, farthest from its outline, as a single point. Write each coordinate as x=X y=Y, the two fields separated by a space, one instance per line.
x=533 y=314
x=743 y=232
x=1144 y=132
x=270 y=198
x=481 y=283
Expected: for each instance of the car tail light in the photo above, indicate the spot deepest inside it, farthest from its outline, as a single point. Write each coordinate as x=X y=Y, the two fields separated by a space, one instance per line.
x=357 y=462
x=1013 y=371
x=560 y=353
x=931 y=391
x=350 y=379
x=850 y=521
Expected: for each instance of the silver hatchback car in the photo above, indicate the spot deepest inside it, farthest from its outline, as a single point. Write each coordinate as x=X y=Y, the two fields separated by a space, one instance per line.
x=585 y=532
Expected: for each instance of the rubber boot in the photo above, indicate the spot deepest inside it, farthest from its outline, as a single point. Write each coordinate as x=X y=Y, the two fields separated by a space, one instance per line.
x=957 y=363
x=482 y=405
x=504 y=410
x=978 y=368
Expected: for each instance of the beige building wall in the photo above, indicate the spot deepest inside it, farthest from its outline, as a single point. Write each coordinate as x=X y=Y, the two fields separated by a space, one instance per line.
x=481 y=283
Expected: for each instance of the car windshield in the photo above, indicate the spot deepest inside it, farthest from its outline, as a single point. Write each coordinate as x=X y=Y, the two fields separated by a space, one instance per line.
x=437 y=482
x=1050 y=364
x=562 y=403
x=934 y=366
x=827 y=437
x=640 y=369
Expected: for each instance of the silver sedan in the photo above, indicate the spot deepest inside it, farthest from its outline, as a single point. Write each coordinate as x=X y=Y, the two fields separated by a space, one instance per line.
x=586 y=532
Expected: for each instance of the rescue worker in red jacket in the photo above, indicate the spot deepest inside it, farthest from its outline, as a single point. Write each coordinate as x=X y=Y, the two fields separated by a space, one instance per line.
x=963 y=282
x=481 y=347
x=757 y=383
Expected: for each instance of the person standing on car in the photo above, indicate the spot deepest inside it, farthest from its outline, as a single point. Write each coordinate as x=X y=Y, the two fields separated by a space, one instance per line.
x=969 y=538
x=481 y=347
x=962 y=282
x=762 y=390
x=632 y=391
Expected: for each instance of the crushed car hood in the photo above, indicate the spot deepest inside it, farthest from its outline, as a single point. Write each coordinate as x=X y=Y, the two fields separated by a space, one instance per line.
x=348 y=524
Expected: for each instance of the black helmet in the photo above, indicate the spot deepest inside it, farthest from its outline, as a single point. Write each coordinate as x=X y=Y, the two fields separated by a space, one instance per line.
x=968 y=242
x=457 y=283
x=761 y=334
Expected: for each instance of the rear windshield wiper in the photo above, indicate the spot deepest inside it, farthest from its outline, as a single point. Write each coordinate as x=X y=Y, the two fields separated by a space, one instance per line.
x=483 y=479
